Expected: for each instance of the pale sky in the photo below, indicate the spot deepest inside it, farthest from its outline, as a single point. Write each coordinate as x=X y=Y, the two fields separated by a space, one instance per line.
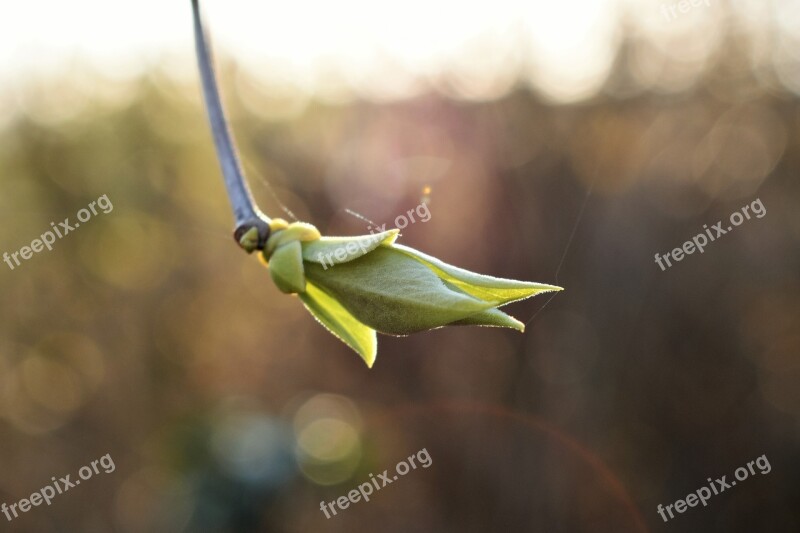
x=562 y=48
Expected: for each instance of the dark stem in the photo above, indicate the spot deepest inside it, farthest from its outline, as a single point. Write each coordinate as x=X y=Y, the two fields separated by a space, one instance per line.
x=245 y=211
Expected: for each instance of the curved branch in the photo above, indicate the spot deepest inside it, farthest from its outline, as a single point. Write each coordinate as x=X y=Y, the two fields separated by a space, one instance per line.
x=245 y=211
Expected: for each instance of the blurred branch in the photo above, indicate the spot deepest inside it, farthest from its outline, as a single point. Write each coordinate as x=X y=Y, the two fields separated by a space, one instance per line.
x=252 y=226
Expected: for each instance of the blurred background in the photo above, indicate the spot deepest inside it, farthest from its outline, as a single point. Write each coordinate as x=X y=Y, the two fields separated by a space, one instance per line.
x=564 y=142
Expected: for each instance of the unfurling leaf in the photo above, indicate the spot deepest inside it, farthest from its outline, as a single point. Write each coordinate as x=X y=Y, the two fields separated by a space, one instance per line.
x=356 y=286
x=341 y=323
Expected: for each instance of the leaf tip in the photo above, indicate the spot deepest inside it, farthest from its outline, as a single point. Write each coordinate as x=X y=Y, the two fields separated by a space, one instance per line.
x=551 y=288
x=368 y=353
x=518 y=325
x=391 y=236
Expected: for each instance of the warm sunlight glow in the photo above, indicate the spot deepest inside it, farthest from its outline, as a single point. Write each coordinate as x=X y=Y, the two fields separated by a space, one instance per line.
x=381 y=50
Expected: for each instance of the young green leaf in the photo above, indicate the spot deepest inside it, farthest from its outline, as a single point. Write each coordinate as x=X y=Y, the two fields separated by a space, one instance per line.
x=341 y=323
x=491 y=318
x=486 y=288
x=356 y=286
x=286 y=268
x=335 y=250
x=391 y=292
